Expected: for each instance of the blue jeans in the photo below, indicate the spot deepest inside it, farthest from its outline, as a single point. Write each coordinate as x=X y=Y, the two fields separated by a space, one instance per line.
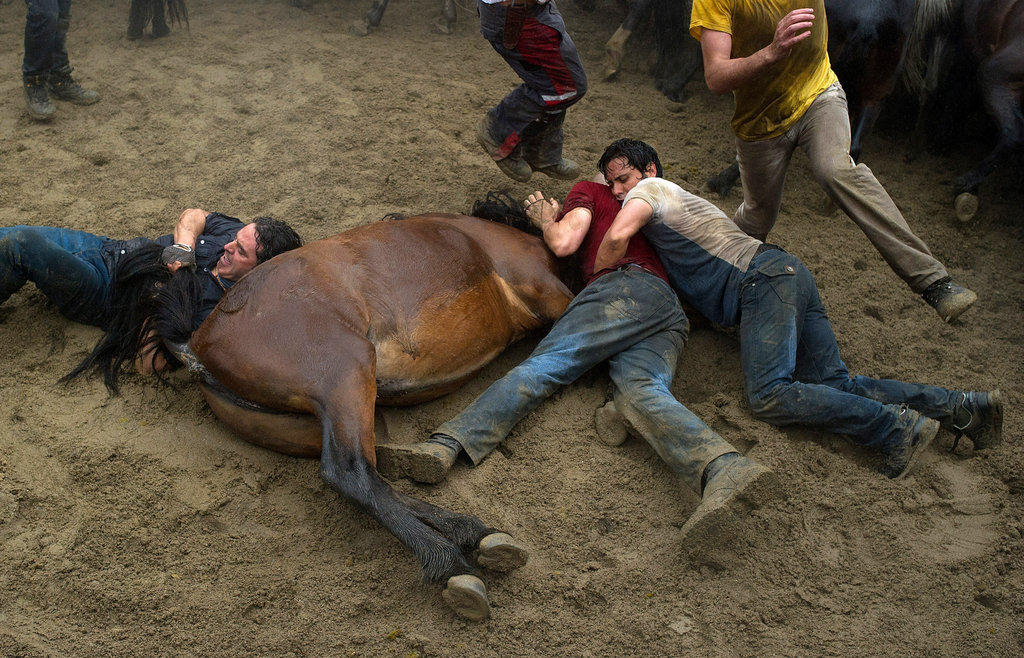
x=46 y=28
x=67 y=266
x=632 y=319
x=792 y=367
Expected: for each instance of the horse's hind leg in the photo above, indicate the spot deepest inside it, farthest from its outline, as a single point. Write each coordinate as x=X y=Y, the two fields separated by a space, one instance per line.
x=445 y=23
x=494 y=549
x=347 y=466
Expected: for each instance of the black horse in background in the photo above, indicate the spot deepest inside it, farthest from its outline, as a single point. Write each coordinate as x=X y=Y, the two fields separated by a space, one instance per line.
x=143 y=12
x=678 y=55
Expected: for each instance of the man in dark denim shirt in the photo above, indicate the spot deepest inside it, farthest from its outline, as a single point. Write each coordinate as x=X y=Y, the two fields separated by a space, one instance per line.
x=74 y=269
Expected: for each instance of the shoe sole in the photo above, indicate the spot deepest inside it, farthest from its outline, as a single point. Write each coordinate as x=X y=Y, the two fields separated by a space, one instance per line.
x=35 y=116
x=395 y=461
x=466 y=595
x=500 y=552
x=993 y=435
x=925 y=438
x=764 y=488
x=964 y=301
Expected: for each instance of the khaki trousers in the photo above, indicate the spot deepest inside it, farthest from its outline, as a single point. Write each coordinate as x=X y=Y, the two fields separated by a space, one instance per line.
x=823 y=133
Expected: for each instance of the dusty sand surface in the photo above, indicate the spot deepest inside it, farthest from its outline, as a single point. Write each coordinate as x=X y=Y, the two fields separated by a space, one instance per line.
x=137 y=525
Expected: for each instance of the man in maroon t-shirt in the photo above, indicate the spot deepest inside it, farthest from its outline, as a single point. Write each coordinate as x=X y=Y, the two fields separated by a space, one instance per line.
x=628 y=316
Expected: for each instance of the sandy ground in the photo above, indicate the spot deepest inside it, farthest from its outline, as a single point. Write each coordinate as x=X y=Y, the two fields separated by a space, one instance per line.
x=137 y=525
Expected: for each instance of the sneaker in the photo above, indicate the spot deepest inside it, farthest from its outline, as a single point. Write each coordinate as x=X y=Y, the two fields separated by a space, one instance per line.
x=917 y=433
x=742 y=485
x=979 y=416
x=564 y=170
x=423 y=462
x=64 y=87
x=512 y=165
x=39 y=106
x=948 y=298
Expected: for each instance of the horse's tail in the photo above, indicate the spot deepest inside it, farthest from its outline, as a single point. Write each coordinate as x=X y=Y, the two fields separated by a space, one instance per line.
x=500 y=207
x=148 y=308
x=932 y=19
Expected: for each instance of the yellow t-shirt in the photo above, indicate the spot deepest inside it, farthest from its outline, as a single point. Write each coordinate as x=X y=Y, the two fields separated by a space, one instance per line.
x=773 y=101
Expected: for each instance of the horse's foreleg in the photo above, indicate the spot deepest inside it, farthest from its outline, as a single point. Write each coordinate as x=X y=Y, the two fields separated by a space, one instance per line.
x=865 y=122
x=376 y=13
x=615 y=47
x=446 y=23
x=722 y=183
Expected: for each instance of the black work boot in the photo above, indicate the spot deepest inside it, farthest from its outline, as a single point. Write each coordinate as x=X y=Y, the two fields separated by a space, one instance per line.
x=916 y=433
x=979 y=416
x=39 y=106
x=63 y=86
x=948 y=298
x=137 y=16
x=511 y=165
x=542 y=148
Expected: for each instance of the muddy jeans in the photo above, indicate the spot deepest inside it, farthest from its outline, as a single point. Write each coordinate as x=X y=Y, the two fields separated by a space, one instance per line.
x=631 y=319
x=46 y=29
x=791 y=364
x=553 y=79
x=824 y=135
x=66 y=265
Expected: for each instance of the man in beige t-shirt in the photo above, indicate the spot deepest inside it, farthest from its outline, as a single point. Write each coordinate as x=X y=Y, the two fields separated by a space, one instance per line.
x=773 y=56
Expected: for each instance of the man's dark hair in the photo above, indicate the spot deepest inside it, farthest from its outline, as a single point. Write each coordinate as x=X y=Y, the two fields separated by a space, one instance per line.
x=274 y=237
x=638 y=154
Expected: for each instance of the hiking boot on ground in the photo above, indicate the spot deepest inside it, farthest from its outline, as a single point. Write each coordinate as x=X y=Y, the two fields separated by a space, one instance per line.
x=425 y=461
x=948 y=298
x=740 y=486
x=39 y=106
x=979 y=416
x=64 y=87
x=513 y=165
x=917 y=433
x=564 y=170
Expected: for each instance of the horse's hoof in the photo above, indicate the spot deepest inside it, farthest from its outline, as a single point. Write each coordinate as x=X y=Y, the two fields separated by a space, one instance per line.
x=611 y=71
x=360 y=27
x=466 y=595
x=500 y=552
x=966 y=206
x=442 y=26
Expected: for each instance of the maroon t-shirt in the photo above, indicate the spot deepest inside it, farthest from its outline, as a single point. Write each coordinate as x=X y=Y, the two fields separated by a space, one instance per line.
x=603 y=206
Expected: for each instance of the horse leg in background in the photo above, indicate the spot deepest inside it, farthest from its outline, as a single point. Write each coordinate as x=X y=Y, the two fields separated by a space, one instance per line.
x=347 y=465
x=138 y=15
x=615 y=47
x=445 y=24
x=721 y=184
x=361 y=26
x=1000 y=76
x=927 y=97
x=160 y=27
x=865 y=122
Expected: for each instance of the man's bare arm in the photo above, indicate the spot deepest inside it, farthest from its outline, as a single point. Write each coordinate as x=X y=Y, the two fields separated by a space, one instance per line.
x=627 y=223
x=190 y=226
x=723 y=73
x=563 y=238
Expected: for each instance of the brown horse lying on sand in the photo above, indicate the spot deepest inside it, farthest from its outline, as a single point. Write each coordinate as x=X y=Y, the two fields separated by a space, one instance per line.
x=297 y=354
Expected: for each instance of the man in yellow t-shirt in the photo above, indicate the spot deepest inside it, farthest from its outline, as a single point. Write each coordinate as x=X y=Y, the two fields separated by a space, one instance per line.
x=773 y=56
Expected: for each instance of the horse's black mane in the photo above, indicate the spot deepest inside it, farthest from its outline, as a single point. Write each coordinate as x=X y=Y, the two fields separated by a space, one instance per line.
x=147 y=305
x=501 y=207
